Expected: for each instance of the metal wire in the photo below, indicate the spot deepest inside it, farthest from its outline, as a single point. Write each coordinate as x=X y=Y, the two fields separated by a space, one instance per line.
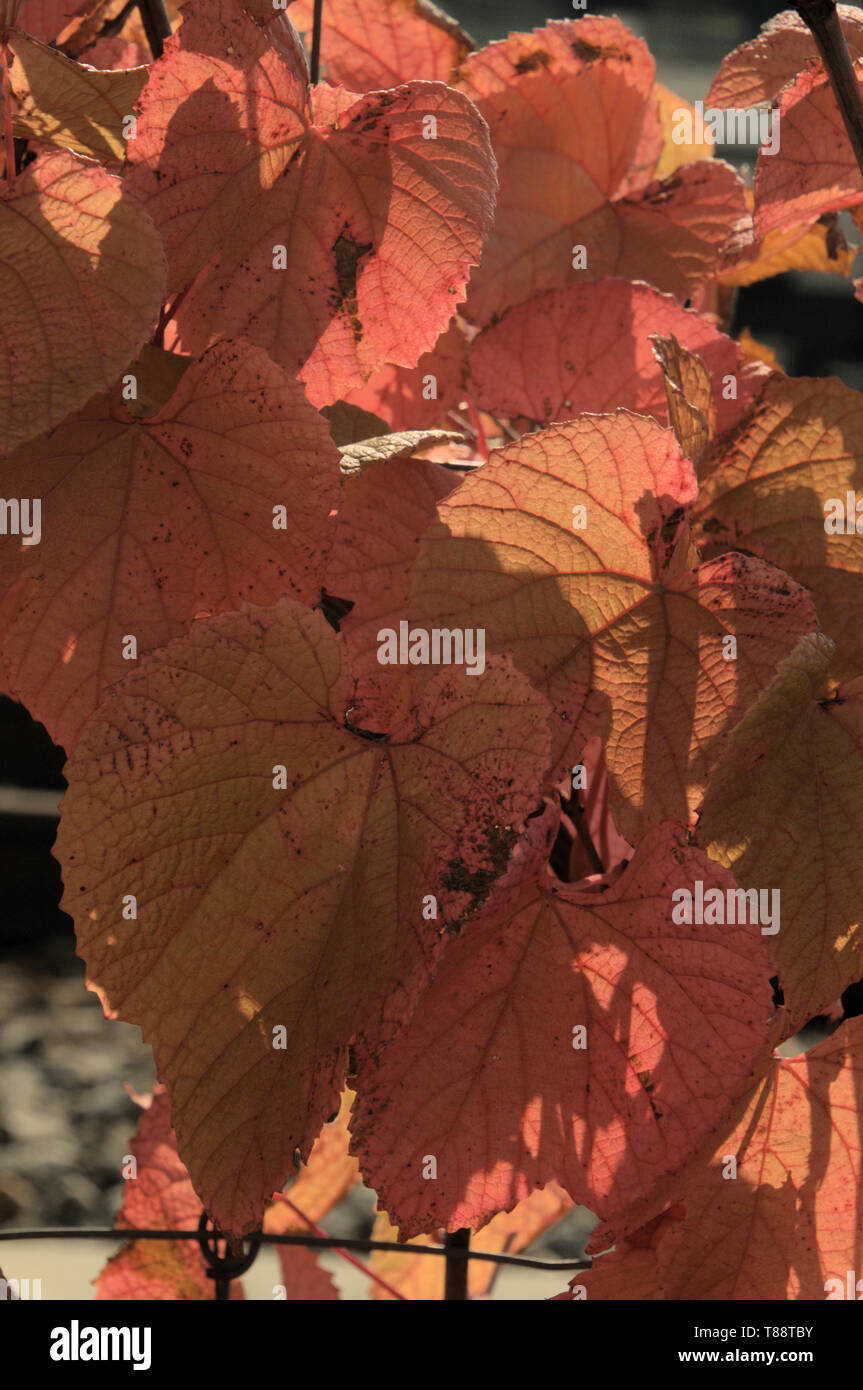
x=319 y=1242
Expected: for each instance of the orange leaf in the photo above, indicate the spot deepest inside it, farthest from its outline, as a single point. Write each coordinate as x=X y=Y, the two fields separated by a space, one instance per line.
x=282 y=873
x=368 y=46
x=784 y=811
x=587 y=348
x=73 y=250
x=314 y=222
x=577 y=135
x=157 y=520
x=566 y=1037
x=569 y=547
x=786 y=1220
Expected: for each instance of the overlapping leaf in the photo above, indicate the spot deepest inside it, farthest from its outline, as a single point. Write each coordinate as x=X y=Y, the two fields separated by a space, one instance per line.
x=757 y=71
x=322 y=1182
x=377 y=202
x=587 y=348
x=815 y=170
x=158 y=1197
x=784 y=810
x=422 y=1278
x=776 y=485
x=149 y=522
x=368 y=46
x=382 y=517
x=270 y=900
x=577 y=135
x=568 y=549
x=420 y=396
x=74 y=249
x=70 y=105
x=788 y=1220
x=492 y=1080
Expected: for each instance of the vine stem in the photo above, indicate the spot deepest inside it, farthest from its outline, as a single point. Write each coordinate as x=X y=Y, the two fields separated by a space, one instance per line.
x=455 y=1284
x=315 y=58
x=7 y=112
x=822 y=19
x=157 y=25
x=345 y=1254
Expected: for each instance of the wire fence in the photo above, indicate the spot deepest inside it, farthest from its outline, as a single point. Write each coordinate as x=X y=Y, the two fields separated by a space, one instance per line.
x=223 y=1266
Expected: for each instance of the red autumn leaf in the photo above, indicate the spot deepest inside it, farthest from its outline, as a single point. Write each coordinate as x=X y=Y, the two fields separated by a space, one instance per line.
x=815 y=170
x=382 y=517
x=569 y=1037
x=44 y=19
x=587 y=348
x=792 y=774
x=283 y=874
x=159 y=1196
x=629 y=1270
x=116 y=53
x=784 y=1220
x=325 y=216
x=576 y=131
x=154 y=521
x=570 y=548
x=321 y=1183
x=302 y=1277
x=368 y=46
x=74 y=249
x=757 y=71
x=420 y=396
x=785 y=486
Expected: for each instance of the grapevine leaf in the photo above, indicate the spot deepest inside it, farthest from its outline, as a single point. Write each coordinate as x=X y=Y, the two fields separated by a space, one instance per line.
x=368 y=46
x=159 y=1196
x=324 y=223
x=788 y=1222
x=44 y=19
x=491 y=1077
x=791 y=775
x=157 y=520
x=383 y=515
x=302 y=1276
x=757 y=71
x=565 y=547
x=321 y=1183
x=815 y=171
x=418 y=397
x=587 y=348
x=281 y=865
x=220 y=118
x=74 y=249
x=577 y=135
x=777 y=484
x=59 y=102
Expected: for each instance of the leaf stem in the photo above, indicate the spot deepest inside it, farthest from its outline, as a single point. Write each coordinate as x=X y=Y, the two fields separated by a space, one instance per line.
x=315 y=58
x=7 y=114
x=823 y=20
x=455 y=1285
x=157 y=25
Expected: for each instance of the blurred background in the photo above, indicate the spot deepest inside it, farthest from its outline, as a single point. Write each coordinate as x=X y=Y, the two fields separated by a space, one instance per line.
x=65 y=1117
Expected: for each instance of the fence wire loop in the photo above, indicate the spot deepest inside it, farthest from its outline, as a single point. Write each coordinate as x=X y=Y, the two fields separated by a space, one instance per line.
x=224 y=1267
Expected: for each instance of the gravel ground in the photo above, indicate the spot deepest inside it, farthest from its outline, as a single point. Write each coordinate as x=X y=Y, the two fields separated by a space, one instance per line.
x=65 y=1116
